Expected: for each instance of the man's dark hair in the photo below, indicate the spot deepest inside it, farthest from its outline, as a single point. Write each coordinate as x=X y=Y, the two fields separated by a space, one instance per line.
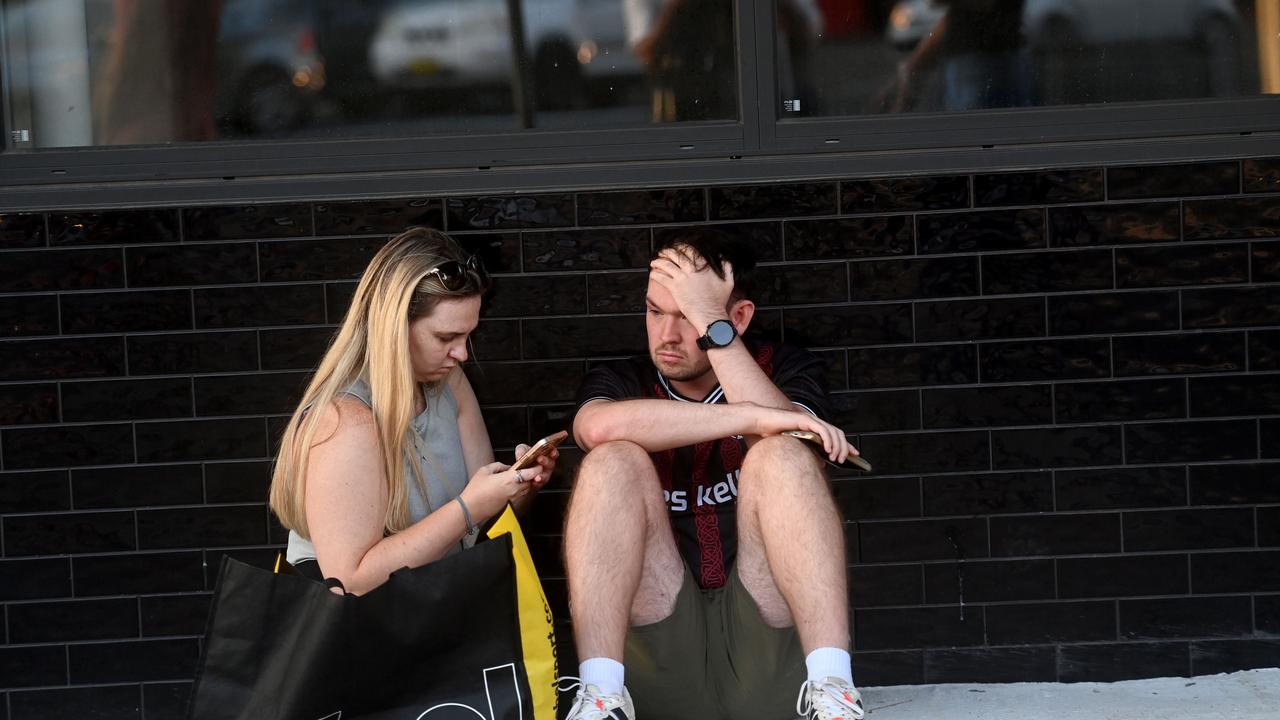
x=717 y=247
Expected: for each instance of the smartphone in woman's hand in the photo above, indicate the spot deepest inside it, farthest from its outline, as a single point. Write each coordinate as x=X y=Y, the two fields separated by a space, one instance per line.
x=540 y=448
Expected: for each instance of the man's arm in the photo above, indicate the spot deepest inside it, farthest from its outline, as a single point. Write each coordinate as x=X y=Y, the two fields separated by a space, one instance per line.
x=657 y=425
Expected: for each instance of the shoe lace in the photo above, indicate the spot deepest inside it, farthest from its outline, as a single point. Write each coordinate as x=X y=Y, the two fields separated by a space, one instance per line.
x=588 y=701
x=826 y=700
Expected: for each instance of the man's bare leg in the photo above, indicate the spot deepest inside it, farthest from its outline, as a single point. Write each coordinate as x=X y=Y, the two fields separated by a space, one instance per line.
x=620 y=555
x=791 y=543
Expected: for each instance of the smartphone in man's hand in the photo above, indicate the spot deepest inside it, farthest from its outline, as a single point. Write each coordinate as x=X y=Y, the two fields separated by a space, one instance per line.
x=540 y=448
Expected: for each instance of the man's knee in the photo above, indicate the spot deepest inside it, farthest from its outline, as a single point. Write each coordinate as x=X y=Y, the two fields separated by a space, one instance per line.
x=782 y=452
x=620 y=465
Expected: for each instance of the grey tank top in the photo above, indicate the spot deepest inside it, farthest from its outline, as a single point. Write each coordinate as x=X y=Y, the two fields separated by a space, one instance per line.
x=434 y=433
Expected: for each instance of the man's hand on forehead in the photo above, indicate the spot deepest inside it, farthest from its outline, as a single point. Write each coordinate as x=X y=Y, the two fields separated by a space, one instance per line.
x=702 y=296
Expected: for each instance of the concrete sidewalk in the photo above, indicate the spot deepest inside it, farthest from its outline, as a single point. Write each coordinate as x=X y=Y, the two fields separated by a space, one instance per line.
x=1246 y=695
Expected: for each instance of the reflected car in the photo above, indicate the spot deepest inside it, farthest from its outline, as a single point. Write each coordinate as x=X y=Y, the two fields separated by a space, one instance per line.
x=270 y=72
x=576 y=47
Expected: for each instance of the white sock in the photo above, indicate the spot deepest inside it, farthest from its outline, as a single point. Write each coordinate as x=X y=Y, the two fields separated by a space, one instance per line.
x=605 y=674
x=828 y=662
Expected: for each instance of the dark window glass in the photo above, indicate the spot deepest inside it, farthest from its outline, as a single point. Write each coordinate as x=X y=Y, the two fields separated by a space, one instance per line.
x=868 y=57
x=107 y=73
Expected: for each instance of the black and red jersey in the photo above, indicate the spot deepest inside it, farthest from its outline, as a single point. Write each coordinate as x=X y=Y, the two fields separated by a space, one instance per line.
x=700 y=482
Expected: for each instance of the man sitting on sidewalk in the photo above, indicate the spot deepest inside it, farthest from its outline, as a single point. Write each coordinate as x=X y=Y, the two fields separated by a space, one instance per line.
x=703 y=547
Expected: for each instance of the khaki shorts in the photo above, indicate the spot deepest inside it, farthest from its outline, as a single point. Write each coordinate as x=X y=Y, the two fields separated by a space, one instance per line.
x=714 y=657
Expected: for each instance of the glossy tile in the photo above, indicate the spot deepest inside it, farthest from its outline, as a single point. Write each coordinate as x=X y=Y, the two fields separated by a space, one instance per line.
x=28 y=404
x=885 y=585
x=509 y=211
x=981 y=231
x=628 y=207
x=1232 y=306
x=928 y=452
x=1079 y=359
x=37 y=270
x=1115 y=224
x=63 y=358
x=521 y=295
x=943 y=192
x=22 y=230
x=1235 y=484
x=1265 y=262
x=244 y=394
x=941 y=627
x=991 y=665
x=1245 y=571
x=135 y=661
x=500 y=251
x=205 y=264
x=987 y=406
x=68 y=534
x=25 y=492
x=615 y=249
x=35 y=666
x=575 y=337
x=1184 y=353
x=1056 y=622
x=988 y=494
x=1151 y=181
x=35 y=579
x=913 y=278
x=1231 y=218
x=1122 y=661
x=131 y=486
x=135 y=311
x=1210 y=657
x=1110 y=401
x=527 y=382
x=979 y=319
x=193 y=353
x=1126 y=312
x=621 y=292
x=47 y=622
x=1036 y=188
x=988 y=581
x=1193 y=529
x=201 y=440
x=114 y=227
x=247 y=222
x=843 y=325
x=1234 y=395
x=378 y=217
x=28 y=315
x=1047 y=272
x=770 y=201
x=798 y=284
x=1117 y=488
x=126 y=399
x=1193 y=265
x=1131 y=575
x=1056 y=447
x=1191 y=441
x=134 y=574
x=227 y=482
x=174 y=614
x=881 y=410
x=293 y=348
x=221 y=526
x=848 y=238
x=67 y=446
x=1030 y=535
x=1262 y=175
x=869 y=498
x=914 y=365
x=308 y=260
x=1154 y=619
x=259 y=306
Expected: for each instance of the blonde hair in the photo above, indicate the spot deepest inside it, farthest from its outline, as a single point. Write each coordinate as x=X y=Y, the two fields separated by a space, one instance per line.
x=373 y=344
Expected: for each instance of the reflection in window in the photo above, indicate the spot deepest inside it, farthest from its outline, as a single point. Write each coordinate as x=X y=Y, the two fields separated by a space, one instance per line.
x=886 y=56
x=128 y=72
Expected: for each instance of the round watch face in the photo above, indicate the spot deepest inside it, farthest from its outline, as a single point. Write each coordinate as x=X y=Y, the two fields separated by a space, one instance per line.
x=721 y=333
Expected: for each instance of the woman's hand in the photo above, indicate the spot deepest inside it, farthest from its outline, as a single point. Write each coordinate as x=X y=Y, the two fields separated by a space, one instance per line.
x=493 y=486
x=538 y=474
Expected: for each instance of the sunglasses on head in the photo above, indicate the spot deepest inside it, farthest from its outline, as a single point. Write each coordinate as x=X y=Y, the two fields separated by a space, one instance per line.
x=452 y=274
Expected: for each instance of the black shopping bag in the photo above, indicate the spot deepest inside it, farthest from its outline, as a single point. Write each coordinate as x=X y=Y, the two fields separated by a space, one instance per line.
x=439 y=642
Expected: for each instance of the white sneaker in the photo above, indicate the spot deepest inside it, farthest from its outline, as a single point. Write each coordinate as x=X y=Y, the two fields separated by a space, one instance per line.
x=591 y=704
x=829 y=699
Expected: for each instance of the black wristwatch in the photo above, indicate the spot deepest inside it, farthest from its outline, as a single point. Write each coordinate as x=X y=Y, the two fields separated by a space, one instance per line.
x=719 y=334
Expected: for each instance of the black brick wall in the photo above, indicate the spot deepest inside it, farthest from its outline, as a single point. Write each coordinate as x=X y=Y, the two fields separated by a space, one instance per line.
x=1068 y=381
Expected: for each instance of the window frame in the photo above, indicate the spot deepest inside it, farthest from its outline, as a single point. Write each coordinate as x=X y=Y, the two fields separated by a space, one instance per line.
x=1134 y=132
